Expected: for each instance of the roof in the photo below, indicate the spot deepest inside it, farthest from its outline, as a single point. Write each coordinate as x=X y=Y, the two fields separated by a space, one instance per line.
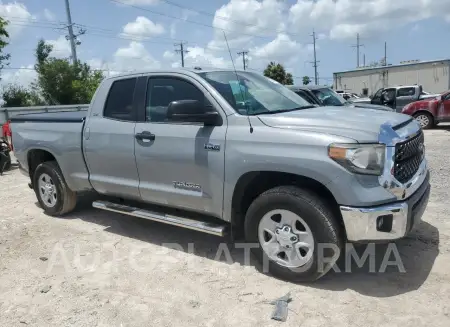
x=174 y=71
x=393 y=66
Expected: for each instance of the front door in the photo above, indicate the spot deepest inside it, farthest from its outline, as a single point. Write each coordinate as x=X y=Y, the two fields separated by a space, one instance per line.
x=376 y=99
x=444 y=109
x=109 y=143
x=180 y=164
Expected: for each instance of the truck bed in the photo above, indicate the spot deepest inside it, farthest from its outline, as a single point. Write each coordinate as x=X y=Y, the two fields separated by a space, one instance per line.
x=57 y=117
x=58 y=134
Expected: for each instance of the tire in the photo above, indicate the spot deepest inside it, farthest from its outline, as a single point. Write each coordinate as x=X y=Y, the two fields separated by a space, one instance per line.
x=319 y=220
x=425 y=120
x=8 y=163
x=56 y=203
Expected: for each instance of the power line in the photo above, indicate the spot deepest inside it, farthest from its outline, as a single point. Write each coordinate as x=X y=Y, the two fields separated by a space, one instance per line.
x=315 y=58
x=357 y=46
x=243 y=53
x=181 y=51
x=191 y=21
x=210 y=14
x=72 y=37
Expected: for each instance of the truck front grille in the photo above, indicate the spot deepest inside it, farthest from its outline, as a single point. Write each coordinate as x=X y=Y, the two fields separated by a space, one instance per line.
x=408 y=157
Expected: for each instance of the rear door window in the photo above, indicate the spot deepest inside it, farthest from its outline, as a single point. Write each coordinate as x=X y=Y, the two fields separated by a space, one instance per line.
x=119 y=104
x=405 y=92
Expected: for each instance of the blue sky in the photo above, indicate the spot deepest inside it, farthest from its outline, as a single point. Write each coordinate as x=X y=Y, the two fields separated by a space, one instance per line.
x=120 y=37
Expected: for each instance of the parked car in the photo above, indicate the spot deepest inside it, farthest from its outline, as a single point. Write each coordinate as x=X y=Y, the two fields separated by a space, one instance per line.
x=172 y=146
x=325 y=96
x=349 y=96
x=430 y=112
x=397 y=97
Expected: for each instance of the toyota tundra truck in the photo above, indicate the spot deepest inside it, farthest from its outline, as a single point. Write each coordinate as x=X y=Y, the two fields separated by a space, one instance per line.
x=233 y=153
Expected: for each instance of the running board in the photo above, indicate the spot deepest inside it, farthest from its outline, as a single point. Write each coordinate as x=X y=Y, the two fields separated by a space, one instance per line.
x=201 y=226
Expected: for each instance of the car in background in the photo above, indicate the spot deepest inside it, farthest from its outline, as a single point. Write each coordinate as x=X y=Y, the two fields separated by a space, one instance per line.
x=430 y=112
x=397 y=97
x=325 y=96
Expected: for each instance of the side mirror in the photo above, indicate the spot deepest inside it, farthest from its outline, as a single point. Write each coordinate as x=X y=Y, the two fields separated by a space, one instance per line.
x=193 y=111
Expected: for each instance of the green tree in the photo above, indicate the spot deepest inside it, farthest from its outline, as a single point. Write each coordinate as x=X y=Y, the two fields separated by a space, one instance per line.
x=306 y=80
x=15 y=95
x=277 y=72
x=4 y=38
x=61 y=82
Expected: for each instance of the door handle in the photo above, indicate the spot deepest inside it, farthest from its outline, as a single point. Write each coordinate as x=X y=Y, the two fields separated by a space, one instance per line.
x=145 y=135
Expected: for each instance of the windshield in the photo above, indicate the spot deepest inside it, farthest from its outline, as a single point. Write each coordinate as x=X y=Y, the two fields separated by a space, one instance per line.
x=251 y=93
x=329 y=97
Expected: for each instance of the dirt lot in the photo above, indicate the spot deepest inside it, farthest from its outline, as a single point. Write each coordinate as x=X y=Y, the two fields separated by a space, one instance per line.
x=94 y=268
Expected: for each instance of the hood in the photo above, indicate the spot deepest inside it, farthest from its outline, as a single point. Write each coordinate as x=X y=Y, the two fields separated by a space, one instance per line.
x=359 y=124
x=370 y=106
x=429 y=96
x=361 y=100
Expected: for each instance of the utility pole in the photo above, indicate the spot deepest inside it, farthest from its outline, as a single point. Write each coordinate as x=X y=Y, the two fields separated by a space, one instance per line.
x=181 y=51
x=244 y=54
x=314 y=63
x=364 y=60
x=357 y=46
x=72 y=37
x=385 y=53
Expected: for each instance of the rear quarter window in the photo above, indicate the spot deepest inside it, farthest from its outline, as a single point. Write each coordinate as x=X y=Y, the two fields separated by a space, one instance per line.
x=405 y=92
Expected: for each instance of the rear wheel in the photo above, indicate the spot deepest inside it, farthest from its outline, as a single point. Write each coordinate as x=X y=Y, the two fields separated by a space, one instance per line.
x=299 y=238
x=425 y=120
x=52 y=192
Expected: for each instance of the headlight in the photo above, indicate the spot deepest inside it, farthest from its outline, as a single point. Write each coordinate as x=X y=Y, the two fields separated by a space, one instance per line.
x=365 y=159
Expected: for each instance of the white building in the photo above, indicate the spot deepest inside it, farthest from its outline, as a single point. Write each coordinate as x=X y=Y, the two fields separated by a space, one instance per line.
x=433 y=75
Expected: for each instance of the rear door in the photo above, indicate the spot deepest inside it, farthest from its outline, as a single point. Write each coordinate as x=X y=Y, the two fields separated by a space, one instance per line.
x=109 y=143
x=404 y=96
x=444 y=109
x=180 y=164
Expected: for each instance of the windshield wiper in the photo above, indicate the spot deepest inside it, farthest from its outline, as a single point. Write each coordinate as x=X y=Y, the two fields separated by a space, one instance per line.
x=286 y=110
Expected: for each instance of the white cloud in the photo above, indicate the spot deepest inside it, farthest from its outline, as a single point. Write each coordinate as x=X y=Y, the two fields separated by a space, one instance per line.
x=168 y=55
x=17 y=14
x=61 y=47
x=240 y=18
x=185 y=14
x=50 y=16
x=133 y=57
x=198 y=56
x=142 y=28
x=23 y=76
x=343 y=19
x=282 y=47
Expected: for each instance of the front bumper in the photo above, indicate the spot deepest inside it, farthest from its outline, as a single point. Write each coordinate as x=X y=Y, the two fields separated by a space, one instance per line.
x=387 y=222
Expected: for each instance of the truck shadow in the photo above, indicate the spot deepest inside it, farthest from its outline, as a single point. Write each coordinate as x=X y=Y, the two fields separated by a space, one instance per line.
x=397 y=268
x=442 y=127
x=417 y=252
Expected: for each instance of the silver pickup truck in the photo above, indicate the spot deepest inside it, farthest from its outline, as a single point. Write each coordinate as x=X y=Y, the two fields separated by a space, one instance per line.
x=219 y=151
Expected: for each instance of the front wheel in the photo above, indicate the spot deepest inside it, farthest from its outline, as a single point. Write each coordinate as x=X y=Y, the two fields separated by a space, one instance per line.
x=425 y=120
x=299 y=238
x=52 y=192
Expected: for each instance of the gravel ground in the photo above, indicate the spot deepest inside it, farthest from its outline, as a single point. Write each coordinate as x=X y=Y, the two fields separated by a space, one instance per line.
x=93 y=268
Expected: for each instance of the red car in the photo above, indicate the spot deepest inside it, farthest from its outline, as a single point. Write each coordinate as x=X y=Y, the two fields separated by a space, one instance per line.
x=430 y=112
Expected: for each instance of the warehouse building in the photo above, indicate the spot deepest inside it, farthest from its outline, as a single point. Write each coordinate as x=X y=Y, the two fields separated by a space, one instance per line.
x=432 y=75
